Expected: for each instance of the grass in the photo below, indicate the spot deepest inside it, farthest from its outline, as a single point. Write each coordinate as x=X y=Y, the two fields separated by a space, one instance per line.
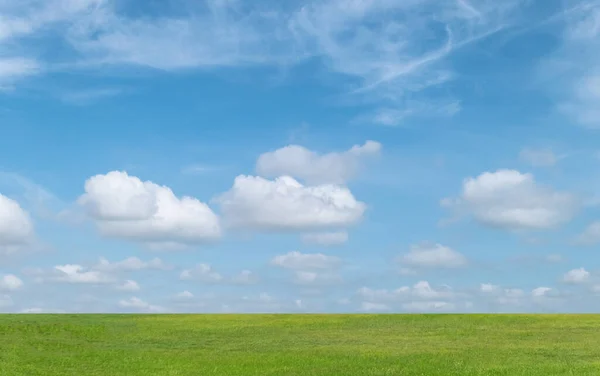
x=203 y=345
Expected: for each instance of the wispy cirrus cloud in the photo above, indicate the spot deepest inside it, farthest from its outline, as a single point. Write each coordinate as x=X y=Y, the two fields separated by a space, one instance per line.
x=392 y=52
x=571 y=72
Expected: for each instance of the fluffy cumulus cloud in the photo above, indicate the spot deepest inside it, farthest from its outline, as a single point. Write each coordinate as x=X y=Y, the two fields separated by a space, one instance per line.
x=315 y=168
x=126 y=207
x=16 y=226
x=509 y=199
x=284 y=204
x=430 y=255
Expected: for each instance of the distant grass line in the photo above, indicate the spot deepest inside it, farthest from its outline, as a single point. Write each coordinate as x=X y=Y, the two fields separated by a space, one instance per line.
x=289 y=344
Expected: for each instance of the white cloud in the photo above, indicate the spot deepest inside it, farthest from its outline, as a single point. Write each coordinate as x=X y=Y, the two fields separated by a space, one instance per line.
x=12 y=69
x=125 y=207
x=284 y=204
x=77 y=274
x=315 y=278
x=576 y=276
x=303 y=261
x=245 y=277
x=315 y=168
x=39 y=310
x=421 y=290
x=572 y=70
x=488 y=288
x=421 y=297
x=374 y=307
x=388 y=46
x=540 y=291
x=184 y=295
x=428 y=306
x=130 y=264
x=393 y=117
x=129 y=286
x=16 y=226
x=512 y=200
x=433 y=256
x=10 y=282
x=140 y=305
x=203 y=273
x=327 y=239
x=591 y=234
x=104 y=273
x=385 y=48
x=539 y=157
x=207 y=274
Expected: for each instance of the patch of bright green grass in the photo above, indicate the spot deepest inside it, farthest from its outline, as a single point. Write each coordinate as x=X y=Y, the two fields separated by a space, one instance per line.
x=345 y=345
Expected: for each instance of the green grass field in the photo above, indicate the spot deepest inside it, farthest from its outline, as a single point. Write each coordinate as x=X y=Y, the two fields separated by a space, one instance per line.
x=132 y=345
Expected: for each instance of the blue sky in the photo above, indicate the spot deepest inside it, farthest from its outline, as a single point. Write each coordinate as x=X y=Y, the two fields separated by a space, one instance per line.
x=316 y=156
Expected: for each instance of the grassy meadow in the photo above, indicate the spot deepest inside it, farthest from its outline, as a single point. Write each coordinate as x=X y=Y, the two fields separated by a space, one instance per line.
x=302 y=345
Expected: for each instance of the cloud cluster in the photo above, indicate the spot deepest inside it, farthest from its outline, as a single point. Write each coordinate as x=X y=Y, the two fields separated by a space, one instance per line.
x=103 y=273
x=419 y=297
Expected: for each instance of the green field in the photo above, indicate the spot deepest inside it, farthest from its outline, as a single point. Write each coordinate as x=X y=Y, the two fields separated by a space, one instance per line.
x=132 y=345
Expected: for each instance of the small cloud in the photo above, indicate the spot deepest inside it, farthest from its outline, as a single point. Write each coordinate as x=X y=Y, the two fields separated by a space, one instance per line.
x=245 y=277
x=488 y=288
x=184 y=295
x=428 y=255
x=203 y=273
x=590 y=236
x=10 y=282
x=129 y=286
x=297 y=260
x=316 y=168
x=576 y=276
x=374 y=307
x=140 y=305
x=89 y=96
x=539 y=157
x=540 y=291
